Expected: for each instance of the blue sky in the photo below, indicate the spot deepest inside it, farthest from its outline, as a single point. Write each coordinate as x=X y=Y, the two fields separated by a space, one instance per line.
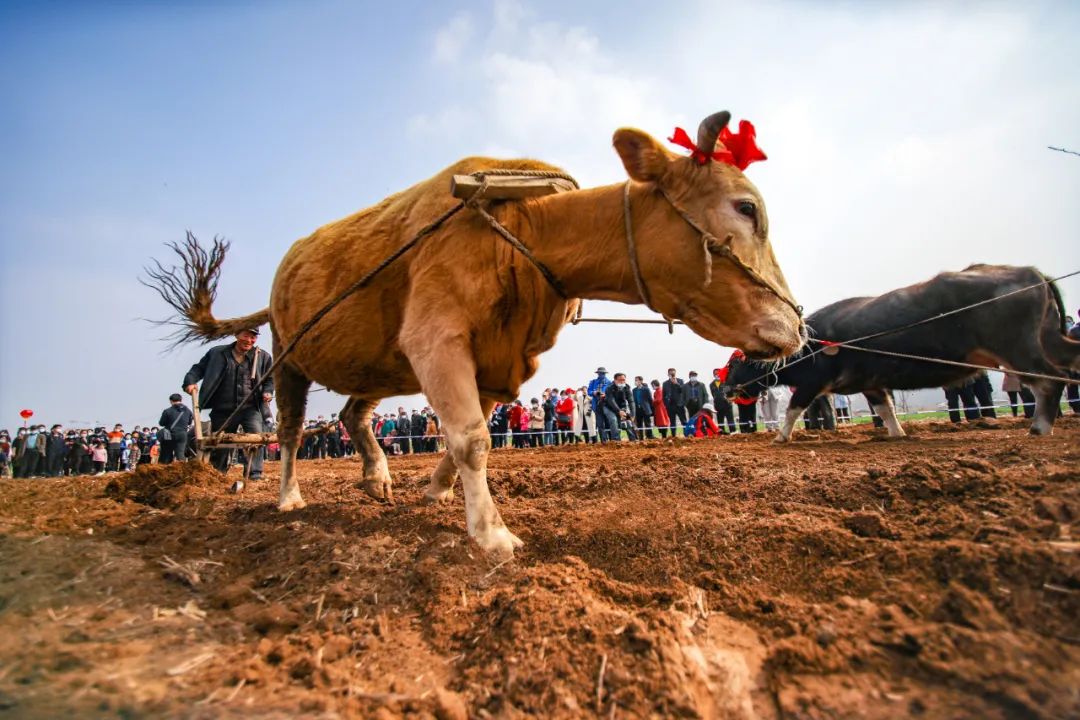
x=903 y=140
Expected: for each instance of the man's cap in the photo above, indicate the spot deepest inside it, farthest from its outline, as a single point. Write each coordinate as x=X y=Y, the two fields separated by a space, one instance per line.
x=601 y=369
x=252 y=330
x=707 y=406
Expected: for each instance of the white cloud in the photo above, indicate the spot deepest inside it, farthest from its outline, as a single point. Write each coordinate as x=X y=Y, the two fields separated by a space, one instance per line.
x=453 y=38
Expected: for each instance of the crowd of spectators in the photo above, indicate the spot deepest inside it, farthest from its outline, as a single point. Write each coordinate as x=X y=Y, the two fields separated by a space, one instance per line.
x=39 y=452
x=604 y=410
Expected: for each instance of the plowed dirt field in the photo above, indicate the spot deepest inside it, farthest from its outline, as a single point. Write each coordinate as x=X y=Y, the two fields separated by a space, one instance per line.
x=842 y=575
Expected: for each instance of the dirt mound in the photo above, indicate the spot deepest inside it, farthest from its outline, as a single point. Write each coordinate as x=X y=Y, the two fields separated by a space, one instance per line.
x=165 y=486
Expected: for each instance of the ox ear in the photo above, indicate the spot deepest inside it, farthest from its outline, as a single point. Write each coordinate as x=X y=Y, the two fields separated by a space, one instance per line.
x=644 y=158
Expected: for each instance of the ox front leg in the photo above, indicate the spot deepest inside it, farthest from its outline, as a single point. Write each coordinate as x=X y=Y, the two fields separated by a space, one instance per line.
x=800 y=400
x=357 y=418
x=882 y=403
x=1047 y=405
x=790 y=418
x=447 y=374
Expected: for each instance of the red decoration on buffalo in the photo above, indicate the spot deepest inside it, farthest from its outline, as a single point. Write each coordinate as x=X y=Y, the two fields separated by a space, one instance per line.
x=740 y=149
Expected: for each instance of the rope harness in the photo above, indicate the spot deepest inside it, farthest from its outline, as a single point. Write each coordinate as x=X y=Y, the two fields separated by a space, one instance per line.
x=474 y=203
x=711 y=245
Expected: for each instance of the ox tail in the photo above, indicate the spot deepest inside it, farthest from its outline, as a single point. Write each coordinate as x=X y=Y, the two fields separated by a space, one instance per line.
x=190 y=290
x=1059 y=348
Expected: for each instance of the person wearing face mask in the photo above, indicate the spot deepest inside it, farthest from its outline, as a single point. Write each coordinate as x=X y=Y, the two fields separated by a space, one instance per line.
x=536 y=423
x=619 y=409
x=72 y=458
x=661 y=417
x=643 y=409
x=674 y=401
x=29 y=452
x=597 y=388
x=696 y=394
x=55 y=451
x=564 y=416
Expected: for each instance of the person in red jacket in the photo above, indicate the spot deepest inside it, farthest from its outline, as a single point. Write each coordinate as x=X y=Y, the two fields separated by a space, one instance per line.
x=564 y=415
x=703 y=423
x=516 y=414
x=660 y=418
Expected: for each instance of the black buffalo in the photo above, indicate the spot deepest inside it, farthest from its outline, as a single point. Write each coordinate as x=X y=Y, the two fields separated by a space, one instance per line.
x=1024 y=332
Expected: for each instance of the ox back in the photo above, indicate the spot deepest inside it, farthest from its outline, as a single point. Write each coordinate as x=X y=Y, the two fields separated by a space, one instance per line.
x=1024 y=332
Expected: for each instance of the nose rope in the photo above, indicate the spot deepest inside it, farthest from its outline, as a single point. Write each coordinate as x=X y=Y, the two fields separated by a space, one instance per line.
x=724 y=250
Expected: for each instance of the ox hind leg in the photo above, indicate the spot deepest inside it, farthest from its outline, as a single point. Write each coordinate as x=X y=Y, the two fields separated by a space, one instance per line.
x=1047 y=403
x=357 y=418
x=441 y=487
x=1028 y=357
x=447 y=373
x=292 y=390
x=881 y=401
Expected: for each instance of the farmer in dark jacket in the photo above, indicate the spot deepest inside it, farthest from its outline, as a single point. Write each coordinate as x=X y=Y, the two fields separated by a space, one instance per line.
x=674 y=401
x=696 y=394
x=619 y=408
x=643 y=408
x=230 y=377
x=725 y=414
x=175 y=421
x=55 y=452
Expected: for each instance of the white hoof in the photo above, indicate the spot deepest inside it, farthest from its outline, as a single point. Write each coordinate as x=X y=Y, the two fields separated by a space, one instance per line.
x=499 y=543
x=438 y=494
x=380 y=488
x=237 y=487
x=293 y=502
x=780 y=440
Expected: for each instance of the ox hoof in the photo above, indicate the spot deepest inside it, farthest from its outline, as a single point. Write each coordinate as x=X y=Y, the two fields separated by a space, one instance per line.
x=294 y=502
x=780 y=440
x=1037 y=430
x=438 y=494
x=379 y=488
x=499 y=543
x=237 y=487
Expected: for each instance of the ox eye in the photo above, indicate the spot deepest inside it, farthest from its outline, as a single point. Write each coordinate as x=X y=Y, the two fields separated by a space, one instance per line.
x=747 y=208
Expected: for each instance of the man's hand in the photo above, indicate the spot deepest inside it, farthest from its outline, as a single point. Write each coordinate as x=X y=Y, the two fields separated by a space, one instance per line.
x=267 y=397
x=190 y=389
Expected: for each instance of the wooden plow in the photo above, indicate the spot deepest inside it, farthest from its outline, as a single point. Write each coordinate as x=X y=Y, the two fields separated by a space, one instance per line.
x=204 y=443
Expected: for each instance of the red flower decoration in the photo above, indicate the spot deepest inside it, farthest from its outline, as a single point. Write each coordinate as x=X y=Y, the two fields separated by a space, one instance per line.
x=743 y=145
x=740 y=149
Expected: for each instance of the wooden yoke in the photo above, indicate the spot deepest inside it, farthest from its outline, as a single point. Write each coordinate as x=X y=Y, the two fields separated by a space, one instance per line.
x=508 y=187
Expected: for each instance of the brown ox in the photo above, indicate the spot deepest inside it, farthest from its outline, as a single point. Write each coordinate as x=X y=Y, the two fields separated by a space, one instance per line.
x=463 y=316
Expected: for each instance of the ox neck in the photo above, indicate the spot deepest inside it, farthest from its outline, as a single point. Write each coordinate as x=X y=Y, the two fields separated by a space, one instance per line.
x=581 y=237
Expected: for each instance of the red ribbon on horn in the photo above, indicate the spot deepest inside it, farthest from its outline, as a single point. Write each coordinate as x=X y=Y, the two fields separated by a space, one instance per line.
x=740 y=149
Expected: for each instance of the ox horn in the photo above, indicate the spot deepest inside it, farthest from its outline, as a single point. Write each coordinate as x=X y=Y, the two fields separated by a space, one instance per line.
x=709 y=130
